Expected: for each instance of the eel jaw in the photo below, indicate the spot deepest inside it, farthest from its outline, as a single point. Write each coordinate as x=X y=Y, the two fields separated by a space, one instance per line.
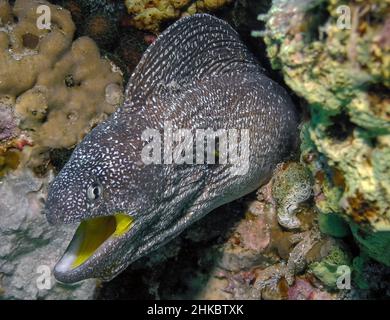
x=93 y=240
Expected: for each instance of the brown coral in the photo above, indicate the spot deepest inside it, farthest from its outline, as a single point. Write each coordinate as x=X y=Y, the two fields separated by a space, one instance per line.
x=59 y=89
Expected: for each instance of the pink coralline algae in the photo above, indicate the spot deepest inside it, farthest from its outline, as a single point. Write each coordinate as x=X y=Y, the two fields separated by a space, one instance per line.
x=304 y=290
x=8 y=127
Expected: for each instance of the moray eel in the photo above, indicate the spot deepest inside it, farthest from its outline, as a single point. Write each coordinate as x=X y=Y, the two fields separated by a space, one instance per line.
x=197 y=75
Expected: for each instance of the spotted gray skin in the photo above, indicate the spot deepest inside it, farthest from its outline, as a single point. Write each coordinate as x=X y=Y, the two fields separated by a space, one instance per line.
x=197 y=74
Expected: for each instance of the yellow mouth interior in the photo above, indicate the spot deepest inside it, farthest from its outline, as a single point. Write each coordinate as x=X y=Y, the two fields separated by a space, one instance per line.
x=94 y=232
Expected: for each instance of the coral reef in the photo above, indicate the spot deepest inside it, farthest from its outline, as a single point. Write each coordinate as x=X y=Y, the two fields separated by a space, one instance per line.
x=109 y=25
x=59 y=89
x=29 y=246
x=304 y=290
x=99 y=20
x=340 y=66
x=101 y=29
x=148 y=15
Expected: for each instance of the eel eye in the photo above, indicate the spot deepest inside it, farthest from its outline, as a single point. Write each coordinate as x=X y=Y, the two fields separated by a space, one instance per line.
x=94 y=191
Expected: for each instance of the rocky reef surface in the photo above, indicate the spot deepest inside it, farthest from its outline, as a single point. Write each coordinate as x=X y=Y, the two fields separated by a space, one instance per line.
x=337 y=58
x=29 y=246
x=320 y=228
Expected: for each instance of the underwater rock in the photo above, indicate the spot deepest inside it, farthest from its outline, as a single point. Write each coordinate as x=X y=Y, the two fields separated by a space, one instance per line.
x=99 y=20
x=102 y=30
x=80 y=9
x=148 y=15
x=341 y=68
x=8 y=126
x=271 y=282
x=304 y=290
x=131 y=47
x=60 y=89
x=247 y=245
x=12 y=141
x=29 y=246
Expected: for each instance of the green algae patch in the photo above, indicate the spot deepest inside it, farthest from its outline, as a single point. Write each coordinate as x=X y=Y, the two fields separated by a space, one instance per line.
x=329 y=269
x=333 y=225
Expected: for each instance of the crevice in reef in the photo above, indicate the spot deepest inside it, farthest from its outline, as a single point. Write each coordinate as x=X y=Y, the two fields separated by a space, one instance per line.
x=316 y=18
x=341 y=127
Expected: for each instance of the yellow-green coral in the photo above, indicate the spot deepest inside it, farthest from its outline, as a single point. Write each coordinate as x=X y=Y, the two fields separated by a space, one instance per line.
x=59 y=89
x=328 y=269
x=148 y=14
x=344 y=75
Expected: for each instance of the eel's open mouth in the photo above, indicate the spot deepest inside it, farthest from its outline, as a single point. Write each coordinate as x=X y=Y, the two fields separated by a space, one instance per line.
x=90 y=239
